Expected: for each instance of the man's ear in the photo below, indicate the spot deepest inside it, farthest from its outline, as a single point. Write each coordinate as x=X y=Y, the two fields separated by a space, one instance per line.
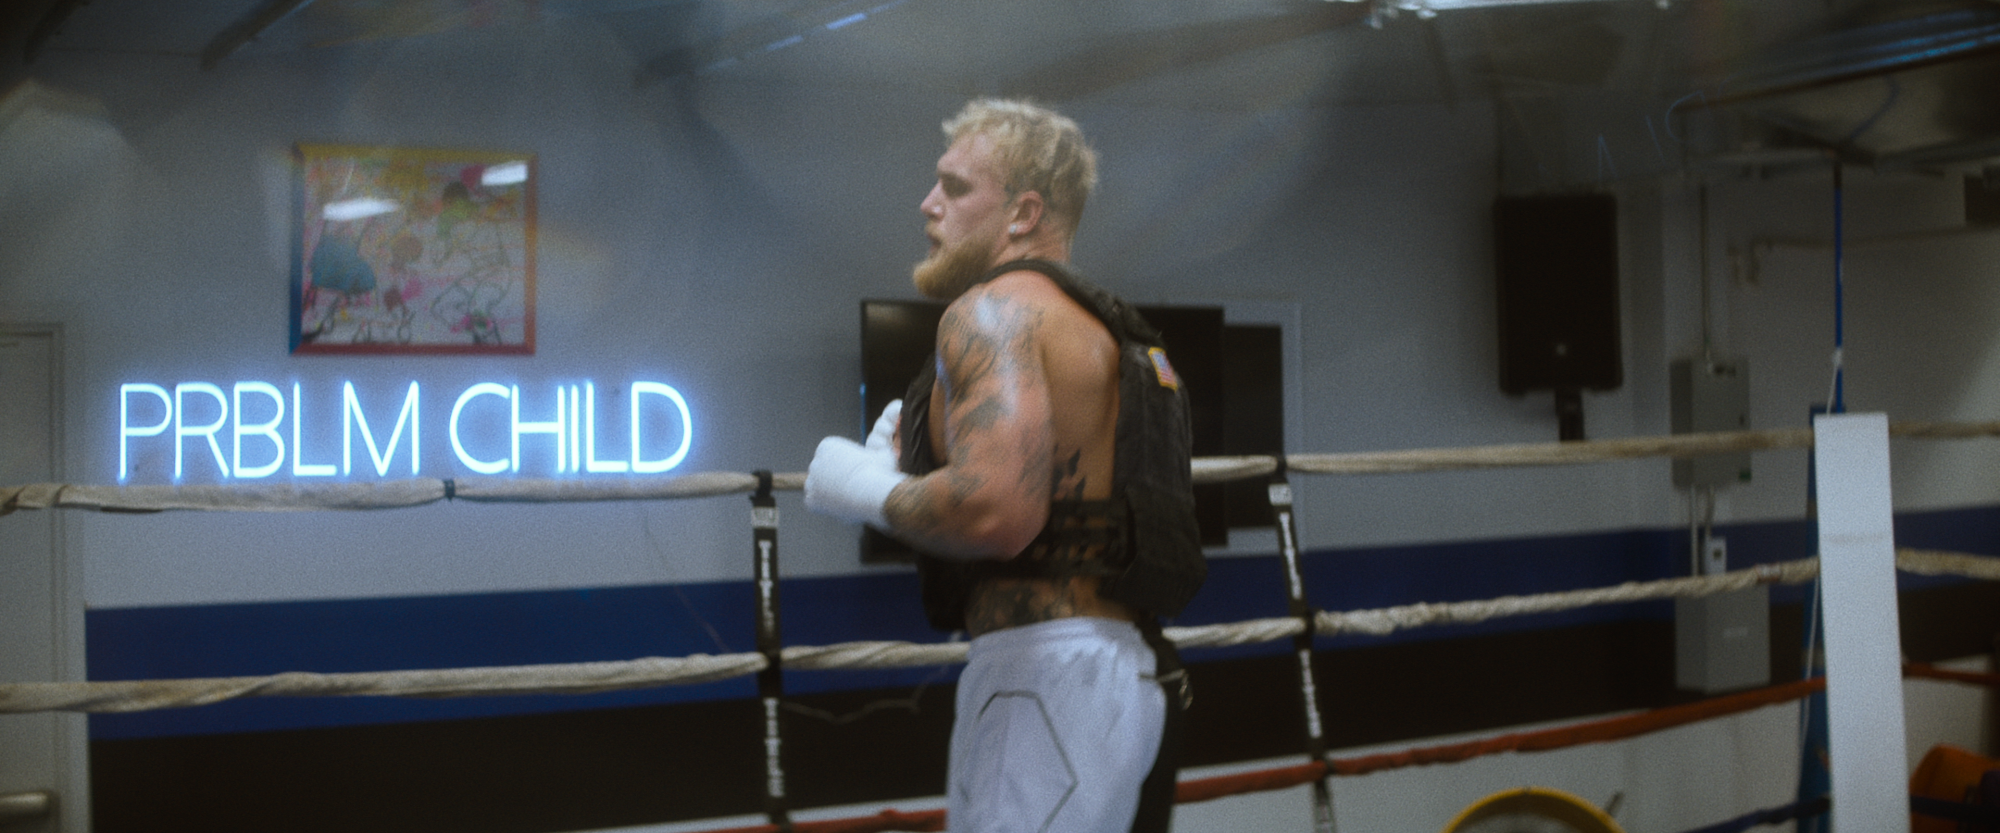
x=1028 y=207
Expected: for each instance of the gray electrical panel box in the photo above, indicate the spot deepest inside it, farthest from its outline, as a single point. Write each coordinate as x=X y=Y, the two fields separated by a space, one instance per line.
x=1710 y=395
x=1722 y=642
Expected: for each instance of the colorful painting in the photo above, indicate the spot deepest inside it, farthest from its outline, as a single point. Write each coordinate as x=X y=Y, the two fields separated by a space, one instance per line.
x=414 y=251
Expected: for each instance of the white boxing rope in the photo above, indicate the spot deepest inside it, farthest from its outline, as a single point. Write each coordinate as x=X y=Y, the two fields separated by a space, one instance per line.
x=1939 y=563
x=874 y=655
x=271 y=497
x=1387 y=620
x=655 y=671
x=419 y=491
x=1551 y=454
x=573 y=678
x=388 y=494
x=650 y=672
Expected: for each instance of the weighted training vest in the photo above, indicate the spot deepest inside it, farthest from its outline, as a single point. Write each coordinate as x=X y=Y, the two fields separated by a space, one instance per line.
x=1143 y=540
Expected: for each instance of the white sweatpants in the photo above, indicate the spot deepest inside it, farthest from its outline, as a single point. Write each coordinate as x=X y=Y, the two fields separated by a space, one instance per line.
x=1058 y=724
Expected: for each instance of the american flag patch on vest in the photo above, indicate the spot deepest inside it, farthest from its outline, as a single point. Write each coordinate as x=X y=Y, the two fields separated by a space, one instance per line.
x=1162 y=369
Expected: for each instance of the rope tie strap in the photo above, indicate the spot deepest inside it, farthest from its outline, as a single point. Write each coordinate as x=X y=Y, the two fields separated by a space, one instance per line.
x=770 y=680
x=1283 y=514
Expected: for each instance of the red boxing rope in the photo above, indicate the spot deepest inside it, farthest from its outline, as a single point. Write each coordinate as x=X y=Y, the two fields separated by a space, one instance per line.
x=1918 y=669
x=1264 y=780
x=1597 y=731
x=1616 y=728
x=928 y=821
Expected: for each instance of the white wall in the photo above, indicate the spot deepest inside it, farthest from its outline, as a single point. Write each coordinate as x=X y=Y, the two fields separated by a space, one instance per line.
x=1915 y=307
x=718 y=237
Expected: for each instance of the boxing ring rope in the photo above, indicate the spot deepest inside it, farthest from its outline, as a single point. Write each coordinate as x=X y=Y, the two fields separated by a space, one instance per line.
x=651 y=672
x=1304 y=624
x=394 y=494
x=1560 y=737
x=1545 y=740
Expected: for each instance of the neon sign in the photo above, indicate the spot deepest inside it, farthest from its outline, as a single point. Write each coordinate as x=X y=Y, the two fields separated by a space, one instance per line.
x=250 y=419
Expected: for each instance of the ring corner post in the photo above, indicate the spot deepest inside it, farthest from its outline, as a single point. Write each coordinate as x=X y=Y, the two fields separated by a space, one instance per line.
x=1863 y=639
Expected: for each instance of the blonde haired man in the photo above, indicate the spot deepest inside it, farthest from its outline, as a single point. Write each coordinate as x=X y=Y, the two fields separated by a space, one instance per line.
x=1044 y=537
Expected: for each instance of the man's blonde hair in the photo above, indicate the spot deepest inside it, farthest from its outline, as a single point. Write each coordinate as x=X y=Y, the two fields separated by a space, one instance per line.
x=1037 y=149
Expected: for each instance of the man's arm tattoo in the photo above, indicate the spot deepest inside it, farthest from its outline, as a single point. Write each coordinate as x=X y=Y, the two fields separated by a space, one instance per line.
x=984 y=347
x=1063 y=470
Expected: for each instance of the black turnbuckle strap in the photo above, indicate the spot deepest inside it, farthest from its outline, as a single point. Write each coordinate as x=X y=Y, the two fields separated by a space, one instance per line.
x=1295 y=591
x=771 y=680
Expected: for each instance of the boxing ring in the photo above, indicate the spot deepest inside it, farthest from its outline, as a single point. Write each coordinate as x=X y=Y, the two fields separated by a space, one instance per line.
x=773 y=659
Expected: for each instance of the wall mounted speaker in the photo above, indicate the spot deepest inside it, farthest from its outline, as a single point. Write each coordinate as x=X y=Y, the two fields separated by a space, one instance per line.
x=1556 y=258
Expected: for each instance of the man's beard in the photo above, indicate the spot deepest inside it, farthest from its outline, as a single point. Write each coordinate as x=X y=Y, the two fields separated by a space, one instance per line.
x=951 y=270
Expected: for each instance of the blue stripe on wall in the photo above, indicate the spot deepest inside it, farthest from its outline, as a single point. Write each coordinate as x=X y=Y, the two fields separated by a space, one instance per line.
x=623 y=623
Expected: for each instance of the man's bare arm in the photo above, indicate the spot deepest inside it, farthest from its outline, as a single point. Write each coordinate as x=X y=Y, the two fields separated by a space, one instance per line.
x=990 y=498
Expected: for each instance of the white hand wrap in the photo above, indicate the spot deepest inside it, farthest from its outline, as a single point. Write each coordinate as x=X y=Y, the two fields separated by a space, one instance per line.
x=852 y=481
x=884 y=435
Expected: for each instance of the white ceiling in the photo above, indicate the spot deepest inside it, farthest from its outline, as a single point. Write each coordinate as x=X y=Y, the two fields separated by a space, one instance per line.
x=1053 y=43
x=1188 y=53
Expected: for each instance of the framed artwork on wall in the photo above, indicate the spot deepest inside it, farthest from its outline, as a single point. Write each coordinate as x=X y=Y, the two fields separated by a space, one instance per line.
x=411 y=250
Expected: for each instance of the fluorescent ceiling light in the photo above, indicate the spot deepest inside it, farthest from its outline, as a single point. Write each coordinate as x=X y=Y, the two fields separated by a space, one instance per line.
x=505 y=173
x=1426 y=8
x=1442 y=5
x=359 y=208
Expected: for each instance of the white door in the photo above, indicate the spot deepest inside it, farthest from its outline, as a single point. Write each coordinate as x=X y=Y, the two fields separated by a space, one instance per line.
x=41 y=612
